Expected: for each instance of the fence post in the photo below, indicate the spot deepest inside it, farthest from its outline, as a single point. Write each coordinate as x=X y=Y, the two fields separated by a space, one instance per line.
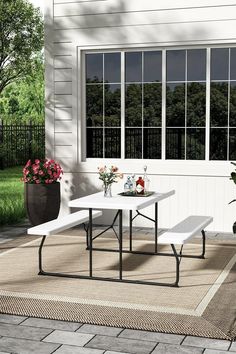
x=1 y=145
x=30 y=139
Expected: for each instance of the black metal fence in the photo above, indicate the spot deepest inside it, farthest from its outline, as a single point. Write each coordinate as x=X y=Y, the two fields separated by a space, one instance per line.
x=21 y=142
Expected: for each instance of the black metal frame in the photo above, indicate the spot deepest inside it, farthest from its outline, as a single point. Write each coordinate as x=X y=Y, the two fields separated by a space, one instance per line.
x=89 y=239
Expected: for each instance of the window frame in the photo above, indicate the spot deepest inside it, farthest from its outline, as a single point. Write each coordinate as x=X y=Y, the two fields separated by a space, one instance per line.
x=81 y=97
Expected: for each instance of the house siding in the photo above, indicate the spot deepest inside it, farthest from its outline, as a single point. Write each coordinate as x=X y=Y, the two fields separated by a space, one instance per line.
x=201 y=187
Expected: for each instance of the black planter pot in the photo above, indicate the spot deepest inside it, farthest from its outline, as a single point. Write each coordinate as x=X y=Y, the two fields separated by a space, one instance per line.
x=42 y=202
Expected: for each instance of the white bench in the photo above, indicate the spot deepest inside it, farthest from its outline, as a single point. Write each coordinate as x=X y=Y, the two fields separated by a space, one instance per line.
x=61 y=224
x=182 y=233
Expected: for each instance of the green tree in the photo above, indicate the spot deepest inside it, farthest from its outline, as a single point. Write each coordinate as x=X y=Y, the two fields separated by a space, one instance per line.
x=21 y=36
x=23 y=100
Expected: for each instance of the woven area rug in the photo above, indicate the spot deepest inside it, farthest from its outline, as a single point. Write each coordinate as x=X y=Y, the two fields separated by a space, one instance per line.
x=203 y=305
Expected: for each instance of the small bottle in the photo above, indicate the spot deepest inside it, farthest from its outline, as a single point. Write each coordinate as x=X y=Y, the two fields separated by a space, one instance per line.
x=130 y=183
x=146 y=180
x=140 y=186
x=133 y=184
x=127 y=185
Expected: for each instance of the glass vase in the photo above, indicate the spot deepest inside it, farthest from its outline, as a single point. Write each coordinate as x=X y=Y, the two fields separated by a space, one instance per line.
x=107 y=190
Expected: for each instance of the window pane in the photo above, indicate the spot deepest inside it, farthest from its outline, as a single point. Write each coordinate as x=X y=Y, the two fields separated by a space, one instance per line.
x=94 y=105
x=133 y=105
x=152 y=97
x=133 y=143
x=112 y=143
x=133 y=67
x=175 y=65
x=232 y=63
x=112 y=67
x=152 y=66
x=219 y=64
x=195 y=144
x=152 y=143
x=175 y=105
x=232 y=144
x=95 y=142
x=196 y=104
x=94 y=67
x=232 y=116
x=219 y=104
x=175 y=144
x=112 y=105
x=196 y=60
x=218 y=144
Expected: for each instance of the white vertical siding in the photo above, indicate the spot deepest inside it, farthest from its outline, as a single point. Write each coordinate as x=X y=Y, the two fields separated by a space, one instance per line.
x=201 y=187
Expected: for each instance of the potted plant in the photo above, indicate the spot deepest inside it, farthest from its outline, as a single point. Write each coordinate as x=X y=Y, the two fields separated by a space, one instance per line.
x=233 y=177
x=42 y=190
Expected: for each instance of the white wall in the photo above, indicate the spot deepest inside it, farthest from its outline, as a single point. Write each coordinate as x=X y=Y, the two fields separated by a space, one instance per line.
x=72 y=26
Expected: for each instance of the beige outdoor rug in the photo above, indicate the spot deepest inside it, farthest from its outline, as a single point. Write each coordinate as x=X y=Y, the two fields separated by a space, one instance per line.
x=203 y=305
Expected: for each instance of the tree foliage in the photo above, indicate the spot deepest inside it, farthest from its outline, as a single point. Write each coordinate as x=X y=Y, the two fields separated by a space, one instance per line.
x=23 y=100
x=21 y=36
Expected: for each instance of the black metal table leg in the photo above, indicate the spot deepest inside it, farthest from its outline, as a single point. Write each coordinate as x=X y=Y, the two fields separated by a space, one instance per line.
x=177 y=265
x=120 y=242
x=40 y=256
x=203 y=244
x=156 y=225
x=130 y=230
x=90 y=243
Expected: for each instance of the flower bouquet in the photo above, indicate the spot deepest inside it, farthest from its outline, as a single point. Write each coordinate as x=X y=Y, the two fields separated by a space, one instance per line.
x=109 y=175
x=42 y=171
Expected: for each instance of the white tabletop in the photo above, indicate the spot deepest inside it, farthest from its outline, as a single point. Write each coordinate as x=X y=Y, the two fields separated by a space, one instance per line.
x=118 y=202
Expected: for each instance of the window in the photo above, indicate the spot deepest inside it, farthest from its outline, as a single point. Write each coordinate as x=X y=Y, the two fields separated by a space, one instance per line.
x=103 y=105
x=143 y=101
x=223 y=104
x=138 y=102
x=185 y=104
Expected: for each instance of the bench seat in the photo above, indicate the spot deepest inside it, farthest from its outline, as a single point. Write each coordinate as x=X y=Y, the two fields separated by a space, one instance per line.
x=63 y=223
x=185 y=230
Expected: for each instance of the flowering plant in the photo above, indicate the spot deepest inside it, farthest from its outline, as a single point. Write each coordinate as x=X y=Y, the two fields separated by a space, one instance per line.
x=109 y=175
x=42 y=171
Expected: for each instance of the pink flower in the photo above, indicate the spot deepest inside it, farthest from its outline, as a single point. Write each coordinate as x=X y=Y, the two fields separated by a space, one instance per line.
x=101 y=169
x=114 y=168
x=48 y=170
x=28 y=163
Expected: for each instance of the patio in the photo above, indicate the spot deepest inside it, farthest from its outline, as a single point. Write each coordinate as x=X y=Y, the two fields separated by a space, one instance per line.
x=22 y=334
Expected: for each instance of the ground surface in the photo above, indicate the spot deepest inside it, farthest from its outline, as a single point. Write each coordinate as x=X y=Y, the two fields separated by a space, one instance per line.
x=20 y=334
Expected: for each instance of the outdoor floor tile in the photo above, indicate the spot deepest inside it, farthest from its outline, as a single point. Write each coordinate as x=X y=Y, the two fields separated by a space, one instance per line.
x=212 y=351
x=53 y=324
x=112 y=352
x=15 y=331
x=174 y=349
x=102 y=330
x=11 y=319
x=24 y=346
x=70 y=349
x=233 y=347
x=121 y=344
x=70 y=338
x=152 y=336
x=207 y=343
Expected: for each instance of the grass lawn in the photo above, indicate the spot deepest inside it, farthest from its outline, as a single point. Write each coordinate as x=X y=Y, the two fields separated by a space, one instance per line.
x=11 y=196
